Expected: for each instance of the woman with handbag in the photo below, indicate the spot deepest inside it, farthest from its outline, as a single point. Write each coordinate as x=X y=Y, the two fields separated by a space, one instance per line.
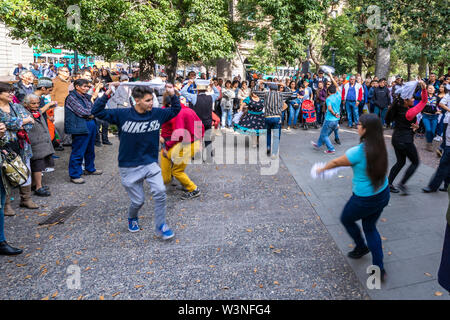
x=18 y=121
x=5 y=248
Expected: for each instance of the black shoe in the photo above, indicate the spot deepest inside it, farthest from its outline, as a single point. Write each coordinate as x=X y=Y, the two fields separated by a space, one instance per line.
x=337 y=141
x=383 y=275
x=358 y=253
x=98 y=144
x=108 y=143
x=191 y=195
x=443 y=189
x=268 y=152
x=42 y=193
x=67 y=144
x=7 y=250
x=428 y=190
x=33 y=188
x=403 y=189
x=393 y=189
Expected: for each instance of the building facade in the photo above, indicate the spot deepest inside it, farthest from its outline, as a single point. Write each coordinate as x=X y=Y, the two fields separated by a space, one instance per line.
x=12 y=52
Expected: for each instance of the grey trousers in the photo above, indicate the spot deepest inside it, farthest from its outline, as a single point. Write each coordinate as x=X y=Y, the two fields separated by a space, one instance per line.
x=133 y=182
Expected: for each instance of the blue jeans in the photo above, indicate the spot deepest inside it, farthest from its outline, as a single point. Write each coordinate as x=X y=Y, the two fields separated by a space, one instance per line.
x=226 y=117
x=327 y=128
x=368 y=209
x=442 y=172
x=293 y=114
x=83 y=147
x=2 y=212
x=352 y=112
x=381 y=113
x=273 y=123
x=430 y=124
x=440 y=125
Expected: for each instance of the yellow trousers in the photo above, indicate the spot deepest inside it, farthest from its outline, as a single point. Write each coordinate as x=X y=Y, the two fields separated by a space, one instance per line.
x=174 y=166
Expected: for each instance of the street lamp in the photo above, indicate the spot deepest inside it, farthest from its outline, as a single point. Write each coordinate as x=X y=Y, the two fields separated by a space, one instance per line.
x=333 y=51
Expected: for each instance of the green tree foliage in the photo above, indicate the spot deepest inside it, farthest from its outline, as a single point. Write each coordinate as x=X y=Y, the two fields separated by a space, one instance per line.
x=143 y=30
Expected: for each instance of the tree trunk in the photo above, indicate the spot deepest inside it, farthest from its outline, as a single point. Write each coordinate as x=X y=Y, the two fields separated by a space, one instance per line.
x=224 y=69
x=422 y=65
x=408 y=68
x=359 y=64
x=383 y=58
x=172 y=67
x=147 y=68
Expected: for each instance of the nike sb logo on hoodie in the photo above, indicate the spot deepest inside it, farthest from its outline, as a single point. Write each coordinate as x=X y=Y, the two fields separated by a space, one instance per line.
x=140 y=127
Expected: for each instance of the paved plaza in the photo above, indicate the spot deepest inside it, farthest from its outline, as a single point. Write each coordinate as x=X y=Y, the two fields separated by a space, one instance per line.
x=248 y=236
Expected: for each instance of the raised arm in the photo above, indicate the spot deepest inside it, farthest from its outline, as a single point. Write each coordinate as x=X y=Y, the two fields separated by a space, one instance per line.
x=98 y=110
x=414 y=111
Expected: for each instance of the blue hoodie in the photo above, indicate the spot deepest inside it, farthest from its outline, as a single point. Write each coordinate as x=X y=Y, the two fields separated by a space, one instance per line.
x=138 y=133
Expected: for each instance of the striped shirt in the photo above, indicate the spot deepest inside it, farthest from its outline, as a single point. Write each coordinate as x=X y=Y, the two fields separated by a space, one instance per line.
x=273 y=101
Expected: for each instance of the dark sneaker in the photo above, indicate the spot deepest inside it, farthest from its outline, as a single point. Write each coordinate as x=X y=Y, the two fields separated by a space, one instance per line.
x=108 y=143
x=59 y=148
x=337 y=141
x=428 y=190
x=403 y=190
x=330 y=151
x=358 y=253
x=42 y=192
x=393 y=189
x=191 y=195
x=443 y=189
x=98 y=144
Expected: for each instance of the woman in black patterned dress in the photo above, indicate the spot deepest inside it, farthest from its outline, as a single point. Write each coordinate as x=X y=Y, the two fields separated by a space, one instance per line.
x=252 y=121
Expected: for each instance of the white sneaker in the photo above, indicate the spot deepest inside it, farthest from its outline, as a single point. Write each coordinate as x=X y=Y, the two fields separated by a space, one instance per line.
x=49 y=170
x=437 y=138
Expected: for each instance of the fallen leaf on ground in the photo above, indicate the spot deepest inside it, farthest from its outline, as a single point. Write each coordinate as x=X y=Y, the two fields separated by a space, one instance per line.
x=350 y=245
x=383 y=219
x=299 y=290
x=212 y=266
x=45 y=298
x=55 y=294
x=276 y=282
x=102 y=298
x=428 y=274
x=438 y=293
x=28 y=277
x=78 y=252
x=94 y=259
x=83 y=204
x=255 y=270
x=21 y=265
x=139 y=286
x=249 y=230
x=227 y=195
x=389 y=253
x=88 y=268
x=80 y=297
x=29 y=254
x=277 y=251
x=314 y=285
x=198 y=280
x=383 y=238
x=115 y=294
x=260 y=285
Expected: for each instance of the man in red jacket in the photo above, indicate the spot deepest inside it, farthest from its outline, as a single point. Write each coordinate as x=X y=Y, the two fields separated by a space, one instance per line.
x=181 y=139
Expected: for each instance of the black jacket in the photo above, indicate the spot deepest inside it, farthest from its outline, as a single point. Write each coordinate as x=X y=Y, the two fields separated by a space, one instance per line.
x=381 y=97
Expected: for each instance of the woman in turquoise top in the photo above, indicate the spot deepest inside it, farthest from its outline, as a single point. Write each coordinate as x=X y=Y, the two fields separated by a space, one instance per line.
x=371 y=194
